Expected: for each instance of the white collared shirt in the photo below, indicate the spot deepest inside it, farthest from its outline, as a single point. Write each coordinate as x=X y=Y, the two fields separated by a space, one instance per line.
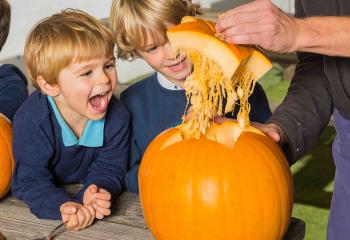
x=167 y=84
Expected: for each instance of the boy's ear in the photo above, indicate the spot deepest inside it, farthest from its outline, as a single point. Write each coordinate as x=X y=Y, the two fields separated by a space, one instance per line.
x=49 y=89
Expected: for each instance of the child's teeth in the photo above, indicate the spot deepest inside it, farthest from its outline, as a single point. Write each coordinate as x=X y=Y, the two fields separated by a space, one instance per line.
x=103 y=104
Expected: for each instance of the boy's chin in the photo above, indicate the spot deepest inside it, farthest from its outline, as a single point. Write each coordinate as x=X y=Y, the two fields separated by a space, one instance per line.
x=96 y=118
x=96 y=115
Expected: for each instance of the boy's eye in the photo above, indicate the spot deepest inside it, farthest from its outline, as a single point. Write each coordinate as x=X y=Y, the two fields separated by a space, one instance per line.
x=151 y=49
x=109 y=66
x=87 y=73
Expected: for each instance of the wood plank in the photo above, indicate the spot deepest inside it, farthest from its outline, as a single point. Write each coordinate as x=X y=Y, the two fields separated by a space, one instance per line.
x=126 y=210
x=18 y=223
x=126 y=221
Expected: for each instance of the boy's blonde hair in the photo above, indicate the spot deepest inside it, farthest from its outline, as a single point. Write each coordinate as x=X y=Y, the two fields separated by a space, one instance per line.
x=57 y=41
x=133 y=21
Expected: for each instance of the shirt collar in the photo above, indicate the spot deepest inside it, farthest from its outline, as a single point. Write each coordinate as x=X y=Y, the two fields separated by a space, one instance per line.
x=167 y=84
x=92 y=136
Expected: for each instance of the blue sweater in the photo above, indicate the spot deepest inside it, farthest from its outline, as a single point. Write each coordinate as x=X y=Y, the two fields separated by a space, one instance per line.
x=154 y=109
x=13 y=89
x=43 y=163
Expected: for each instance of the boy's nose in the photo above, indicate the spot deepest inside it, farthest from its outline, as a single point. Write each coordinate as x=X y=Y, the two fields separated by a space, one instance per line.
x=172 y=53
x=103 y=79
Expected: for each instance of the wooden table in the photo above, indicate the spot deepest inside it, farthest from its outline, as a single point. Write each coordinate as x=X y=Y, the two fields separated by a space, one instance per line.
x=126 y=222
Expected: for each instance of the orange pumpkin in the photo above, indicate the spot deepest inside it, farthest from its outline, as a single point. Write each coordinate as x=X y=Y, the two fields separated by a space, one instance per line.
x=6 y=157
x=232 y=183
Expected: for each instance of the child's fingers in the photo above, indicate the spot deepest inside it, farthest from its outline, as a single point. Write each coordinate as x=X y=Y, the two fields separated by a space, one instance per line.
x=103 y=203
x=104 y=211
x=103 y=195
x=81 y=219
x=73 y=222
x=93 y=214
x=92 y=188
x=87 y=217
x=99 y=215
x=67 y=210
x=89 y=194
x=65 y=217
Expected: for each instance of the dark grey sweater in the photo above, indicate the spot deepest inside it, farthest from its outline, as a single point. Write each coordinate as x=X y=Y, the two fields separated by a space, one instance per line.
x=320 y=84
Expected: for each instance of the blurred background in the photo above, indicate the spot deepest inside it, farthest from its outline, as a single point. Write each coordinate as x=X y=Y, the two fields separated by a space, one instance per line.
x=313 y=174
x=25 y=13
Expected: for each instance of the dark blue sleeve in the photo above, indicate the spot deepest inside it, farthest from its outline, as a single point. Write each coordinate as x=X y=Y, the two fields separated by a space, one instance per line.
x=131 y=176
x=13 y=90
x=260 y=109
x=32 y=181
x=108 y=169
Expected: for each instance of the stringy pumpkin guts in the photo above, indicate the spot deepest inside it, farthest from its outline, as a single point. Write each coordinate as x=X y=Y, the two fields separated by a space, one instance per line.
x=223 y=75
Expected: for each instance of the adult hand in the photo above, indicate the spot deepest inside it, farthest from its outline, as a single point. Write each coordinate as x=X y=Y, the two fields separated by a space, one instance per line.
x=259 y=23
x=272 y=130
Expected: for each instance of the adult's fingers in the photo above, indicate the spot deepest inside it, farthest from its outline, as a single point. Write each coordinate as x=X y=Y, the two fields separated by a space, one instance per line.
x=252 y=12
x=271 y=130
x=245 y=12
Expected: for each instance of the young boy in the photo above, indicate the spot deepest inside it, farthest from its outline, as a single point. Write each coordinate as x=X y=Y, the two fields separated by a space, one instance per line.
x=13 y=84
x=72 y=129
x=158 y=102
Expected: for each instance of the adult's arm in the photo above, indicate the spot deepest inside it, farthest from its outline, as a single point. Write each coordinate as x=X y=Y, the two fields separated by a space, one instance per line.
x=306 y=109
x=262 y=23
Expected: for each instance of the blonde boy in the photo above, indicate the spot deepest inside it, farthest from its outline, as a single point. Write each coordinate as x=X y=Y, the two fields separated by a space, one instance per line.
x=158 y=102
x=71 y=129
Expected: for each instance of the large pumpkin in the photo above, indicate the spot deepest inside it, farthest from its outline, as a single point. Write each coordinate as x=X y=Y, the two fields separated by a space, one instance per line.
x=232 y=183
x=6 y=157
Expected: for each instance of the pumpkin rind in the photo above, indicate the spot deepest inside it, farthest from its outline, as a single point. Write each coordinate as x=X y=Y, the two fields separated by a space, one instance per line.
x=196 y=33
x=201 y=189
x=6 y=157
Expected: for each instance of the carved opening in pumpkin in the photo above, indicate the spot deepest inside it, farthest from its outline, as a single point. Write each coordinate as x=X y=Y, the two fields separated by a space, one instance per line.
x=226 y=133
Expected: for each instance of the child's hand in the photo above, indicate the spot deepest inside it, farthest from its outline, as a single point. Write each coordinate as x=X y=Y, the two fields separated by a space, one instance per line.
x=76 y=215
x=100 y=199
x=217 y=119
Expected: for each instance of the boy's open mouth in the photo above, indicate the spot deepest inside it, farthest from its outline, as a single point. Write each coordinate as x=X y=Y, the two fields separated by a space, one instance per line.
x=99 y=102
x=178 y=66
